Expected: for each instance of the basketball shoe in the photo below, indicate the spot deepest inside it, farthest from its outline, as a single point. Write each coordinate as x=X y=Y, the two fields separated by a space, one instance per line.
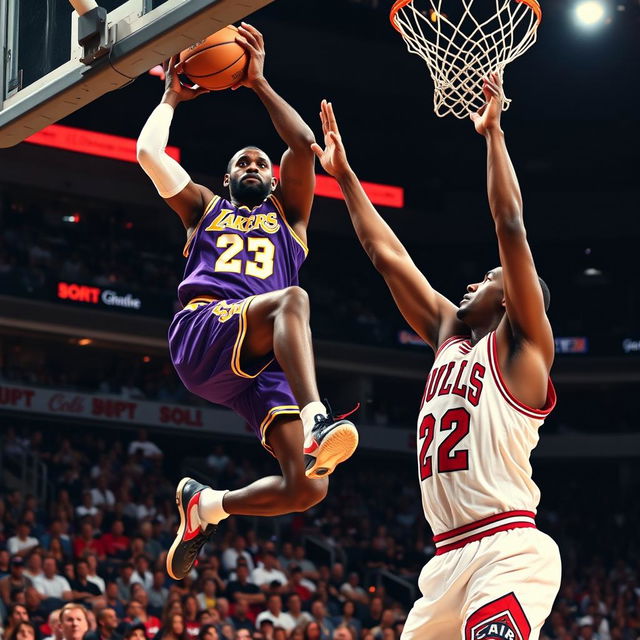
x=332 y=440
x=190 y=536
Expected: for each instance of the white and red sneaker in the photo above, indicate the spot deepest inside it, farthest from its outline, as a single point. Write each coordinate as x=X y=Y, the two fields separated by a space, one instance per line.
x=190 y=536
x=332 y=440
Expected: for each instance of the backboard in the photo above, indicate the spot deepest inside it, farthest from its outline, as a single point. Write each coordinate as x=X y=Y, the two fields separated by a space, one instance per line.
x=47 y=74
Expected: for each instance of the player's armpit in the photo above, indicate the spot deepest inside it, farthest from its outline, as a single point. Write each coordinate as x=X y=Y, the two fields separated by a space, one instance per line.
x=189 y=204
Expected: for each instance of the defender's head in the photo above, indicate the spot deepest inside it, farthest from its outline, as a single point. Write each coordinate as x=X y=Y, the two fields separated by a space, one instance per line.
x=250 y=176
x=484 y=303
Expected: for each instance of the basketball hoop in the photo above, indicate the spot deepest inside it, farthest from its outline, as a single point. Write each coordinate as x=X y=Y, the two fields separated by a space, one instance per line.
x=461 y=49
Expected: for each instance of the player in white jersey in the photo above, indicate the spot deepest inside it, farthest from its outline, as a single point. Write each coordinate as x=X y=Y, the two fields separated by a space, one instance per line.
x=494 y=575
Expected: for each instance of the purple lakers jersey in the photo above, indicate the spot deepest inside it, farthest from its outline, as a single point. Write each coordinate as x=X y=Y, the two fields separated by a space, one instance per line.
x=236 y=252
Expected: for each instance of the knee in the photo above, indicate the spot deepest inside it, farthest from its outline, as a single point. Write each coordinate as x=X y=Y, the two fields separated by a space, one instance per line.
x=295 y=299
x=309 y=493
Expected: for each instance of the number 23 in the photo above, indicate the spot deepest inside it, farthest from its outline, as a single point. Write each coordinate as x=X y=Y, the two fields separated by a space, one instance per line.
x=233 y=244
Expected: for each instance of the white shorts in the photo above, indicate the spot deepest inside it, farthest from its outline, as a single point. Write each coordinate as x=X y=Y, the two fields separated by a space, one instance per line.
x=501 y=587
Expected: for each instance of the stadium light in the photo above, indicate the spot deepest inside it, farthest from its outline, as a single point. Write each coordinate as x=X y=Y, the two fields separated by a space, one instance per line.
x=590 y=13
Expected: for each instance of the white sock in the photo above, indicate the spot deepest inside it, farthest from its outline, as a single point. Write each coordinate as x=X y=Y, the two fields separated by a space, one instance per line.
x=308 y=415
x=210 y=509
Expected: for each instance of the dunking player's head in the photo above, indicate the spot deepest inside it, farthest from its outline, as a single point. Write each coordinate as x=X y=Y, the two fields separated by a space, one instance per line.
x=249 y=177
x=484 y=305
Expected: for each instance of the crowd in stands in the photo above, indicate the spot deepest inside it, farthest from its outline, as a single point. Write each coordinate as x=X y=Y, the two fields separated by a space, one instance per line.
x=114 y=248
x=100 y=539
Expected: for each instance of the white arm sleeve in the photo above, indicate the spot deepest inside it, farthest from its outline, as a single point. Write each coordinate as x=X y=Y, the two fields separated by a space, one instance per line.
x=166 y=174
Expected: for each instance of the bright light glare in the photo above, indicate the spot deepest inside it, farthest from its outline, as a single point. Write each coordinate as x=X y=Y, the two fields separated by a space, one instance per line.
x=590 y=12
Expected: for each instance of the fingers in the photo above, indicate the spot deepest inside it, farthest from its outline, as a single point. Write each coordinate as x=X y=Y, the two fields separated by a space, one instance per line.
x=331 y=118
x=251 y=29
x=249 y=39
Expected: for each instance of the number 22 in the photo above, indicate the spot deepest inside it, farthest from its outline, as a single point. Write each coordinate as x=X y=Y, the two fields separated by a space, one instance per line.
x=456 y=419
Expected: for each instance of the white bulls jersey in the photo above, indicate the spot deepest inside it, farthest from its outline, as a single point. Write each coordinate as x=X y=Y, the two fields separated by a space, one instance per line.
x=474 y=443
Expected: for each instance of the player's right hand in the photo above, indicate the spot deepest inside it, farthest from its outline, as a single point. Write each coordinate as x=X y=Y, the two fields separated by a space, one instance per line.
x=172 y=83
x=333 y=157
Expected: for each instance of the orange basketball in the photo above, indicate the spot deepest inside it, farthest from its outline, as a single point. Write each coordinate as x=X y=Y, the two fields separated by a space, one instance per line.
x=218 y=62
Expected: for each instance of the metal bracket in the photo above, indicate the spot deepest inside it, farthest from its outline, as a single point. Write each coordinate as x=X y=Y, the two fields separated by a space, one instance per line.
x=93 y=35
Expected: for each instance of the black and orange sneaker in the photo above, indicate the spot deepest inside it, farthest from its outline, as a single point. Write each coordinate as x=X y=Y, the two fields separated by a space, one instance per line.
x=190 y=536
x=332 y=440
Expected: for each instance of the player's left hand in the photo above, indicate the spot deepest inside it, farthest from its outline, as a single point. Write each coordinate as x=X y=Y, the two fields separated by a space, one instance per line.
x=487 y=118
x=253 y=43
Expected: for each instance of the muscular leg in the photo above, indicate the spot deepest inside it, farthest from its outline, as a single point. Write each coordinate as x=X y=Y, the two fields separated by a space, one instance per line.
x=278 y=322
x=277 y=495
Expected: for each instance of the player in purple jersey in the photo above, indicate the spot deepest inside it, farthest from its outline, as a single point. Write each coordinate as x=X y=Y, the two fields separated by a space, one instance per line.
x=243 y=339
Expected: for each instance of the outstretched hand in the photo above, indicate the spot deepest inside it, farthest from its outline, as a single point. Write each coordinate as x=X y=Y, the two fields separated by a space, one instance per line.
x=333 y=157
x=252 y=41
x=487 y=118
x=172 y=82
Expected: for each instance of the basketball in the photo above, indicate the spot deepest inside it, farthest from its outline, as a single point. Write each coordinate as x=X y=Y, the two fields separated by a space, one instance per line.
x=217 y=62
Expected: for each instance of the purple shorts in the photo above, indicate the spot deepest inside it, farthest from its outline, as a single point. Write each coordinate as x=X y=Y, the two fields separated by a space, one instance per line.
x=205 y=341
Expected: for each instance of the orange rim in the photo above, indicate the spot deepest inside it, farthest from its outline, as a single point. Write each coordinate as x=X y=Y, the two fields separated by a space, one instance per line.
x=397 y=5
x=534 y=5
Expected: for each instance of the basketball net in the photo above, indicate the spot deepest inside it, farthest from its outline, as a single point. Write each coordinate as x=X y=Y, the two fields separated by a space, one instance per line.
x=463 y=49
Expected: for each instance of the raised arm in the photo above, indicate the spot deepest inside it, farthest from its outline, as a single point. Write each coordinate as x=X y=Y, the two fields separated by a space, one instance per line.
x=172 y=182
x=524 y=332
x=428 y=312
x=297 y=176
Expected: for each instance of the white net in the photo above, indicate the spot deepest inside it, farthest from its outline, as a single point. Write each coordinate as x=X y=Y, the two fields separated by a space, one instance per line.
x=462 y=41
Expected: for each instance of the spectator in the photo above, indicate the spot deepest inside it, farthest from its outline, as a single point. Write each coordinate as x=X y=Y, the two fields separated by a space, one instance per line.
x=84 y=591
x=275 y=614
x=87 y=508
x=231 y=555
x=294 y=609
x=190 y=609
x=33 y=567
x=300 y=585
x=113 y=600
x=313 y=632
x=124 y=581
x=115 y=543
x=208 y=632
x=22 y=543
x=266 y=575
x=135 y=632
x=348 y=617
x=151 y=546
x=16 y=614
x=92 y=575
x=207 y=597
x=101 y=496
x=141 y=573
x=107 y=624
x=353 y=591
x=137 y=613
x=87 y=542
x=309 y=569
x=57 y=532
x=23 y=631
x=51 y=584
x=15 y=581
x=53 y=623
x=174 y=629
x=142 y=444
x=372 y=618
x=242 y=586
x=319 y=615
x=158 y=593
x=242 y=619
x=74 y=621
x=344 y=633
